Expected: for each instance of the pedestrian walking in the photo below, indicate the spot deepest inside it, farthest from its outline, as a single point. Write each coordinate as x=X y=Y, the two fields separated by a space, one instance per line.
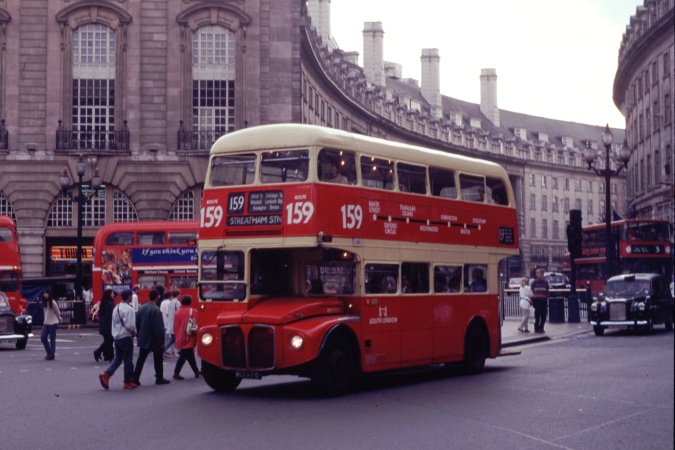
x=540 y=291
x=150 y=329
x=123 y=331
x=134 y=297
x=105 y=310
x=525 y=294
x=52 y=318
x=172 y=306
x=185 y=343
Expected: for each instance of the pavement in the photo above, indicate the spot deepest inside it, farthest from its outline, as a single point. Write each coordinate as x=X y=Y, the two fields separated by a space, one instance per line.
x=511 y=337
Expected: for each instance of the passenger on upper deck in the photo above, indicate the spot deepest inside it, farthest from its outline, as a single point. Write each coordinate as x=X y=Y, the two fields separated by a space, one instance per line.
x=330 y=171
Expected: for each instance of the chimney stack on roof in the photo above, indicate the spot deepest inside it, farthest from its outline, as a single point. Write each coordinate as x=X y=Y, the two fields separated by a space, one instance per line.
x=431 y=80
x=373 y=52
x=319 y=12
x=488 y=95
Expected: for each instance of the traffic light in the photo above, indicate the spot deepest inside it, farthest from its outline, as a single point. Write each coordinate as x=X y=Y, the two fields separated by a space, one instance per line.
x=574 y=234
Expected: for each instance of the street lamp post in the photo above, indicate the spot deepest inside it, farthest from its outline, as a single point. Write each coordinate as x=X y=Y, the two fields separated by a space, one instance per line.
x=590 y=156
x=81 y=199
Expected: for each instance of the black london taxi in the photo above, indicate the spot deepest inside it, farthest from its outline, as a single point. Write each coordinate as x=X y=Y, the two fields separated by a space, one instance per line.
x=14 y=329
x=637 y=301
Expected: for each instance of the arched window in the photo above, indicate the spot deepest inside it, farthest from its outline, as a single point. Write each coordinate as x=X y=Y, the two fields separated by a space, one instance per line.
x=213 y=41
x=213 y=80
x=184 y=208
x=123 y=209
x=63 y=211
x=93 y=112
x=93 y=43
x=6 y=207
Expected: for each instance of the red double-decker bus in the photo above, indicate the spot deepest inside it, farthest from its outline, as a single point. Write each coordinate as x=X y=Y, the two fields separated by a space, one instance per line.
x=640 y=246
x=146 y=254
x=328 y=255
x=10 y=265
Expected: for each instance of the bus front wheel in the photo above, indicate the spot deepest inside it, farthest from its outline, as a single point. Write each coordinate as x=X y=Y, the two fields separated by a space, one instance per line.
x=475 y=349
x=334 y=369
x=598 y=330
x=218 y=379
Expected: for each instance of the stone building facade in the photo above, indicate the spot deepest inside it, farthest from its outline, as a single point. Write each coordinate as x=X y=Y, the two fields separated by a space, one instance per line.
x=643 y=91
x=140 y=90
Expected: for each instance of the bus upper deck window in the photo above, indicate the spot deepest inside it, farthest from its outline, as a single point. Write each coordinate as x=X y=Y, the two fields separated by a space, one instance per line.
x=411 y=178
x=289 y=166
x=151 y=238
x=5 y=234
x=442 y=182
x=377 y=173
x=336 y=166
x=233 y=170
x=496 y=191
x=183 y=238
x=472 y=188
x=122 y=238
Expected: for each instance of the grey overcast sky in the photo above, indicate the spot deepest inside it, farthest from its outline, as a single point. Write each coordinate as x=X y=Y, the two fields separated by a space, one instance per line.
x=554 y=58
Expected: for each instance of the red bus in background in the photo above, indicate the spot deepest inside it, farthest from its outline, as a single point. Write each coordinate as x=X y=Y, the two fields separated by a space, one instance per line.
x=10 y=265
x=145 y=254
x=326 y=254
x=640 y=246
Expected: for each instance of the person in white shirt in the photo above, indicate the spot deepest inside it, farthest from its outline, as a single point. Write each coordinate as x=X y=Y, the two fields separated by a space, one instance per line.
x=173 y=305
x=123 y=331
x=134 y=297
x=525 y=294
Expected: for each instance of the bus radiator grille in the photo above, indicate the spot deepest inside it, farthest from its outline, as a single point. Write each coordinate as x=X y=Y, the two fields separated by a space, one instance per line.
x=261 y=348
x=233 y=350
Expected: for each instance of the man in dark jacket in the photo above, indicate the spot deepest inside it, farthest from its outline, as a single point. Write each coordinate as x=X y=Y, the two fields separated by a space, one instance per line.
x=150 y=329
x=539 y=300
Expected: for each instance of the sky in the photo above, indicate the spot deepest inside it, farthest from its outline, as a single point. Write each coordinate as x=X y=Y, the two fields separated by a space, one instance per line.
x=554 y=58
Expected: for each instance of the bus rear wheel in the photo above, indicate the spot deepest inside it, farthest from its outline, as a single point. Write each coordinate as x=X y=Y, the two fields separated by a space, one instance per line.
x=475 y=350
x=334 y=369
x=218 y=379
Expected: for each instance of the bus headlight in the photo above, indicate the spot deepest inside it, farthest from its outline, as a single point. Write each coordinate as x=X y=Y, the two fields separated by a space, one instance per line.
x=594 y=307
x=641 y=306
x=297 y=341
x=207 y=339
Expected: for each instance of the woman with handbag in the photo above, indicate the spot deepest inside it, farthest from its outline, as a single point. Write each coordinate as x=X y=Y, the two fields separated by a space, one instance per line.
x=186 y=337
x=525 y=294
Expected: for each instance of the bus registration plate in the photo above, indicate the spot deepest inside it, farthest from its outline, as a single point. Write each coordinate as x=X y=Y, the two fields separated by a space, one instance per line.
x=247 y=374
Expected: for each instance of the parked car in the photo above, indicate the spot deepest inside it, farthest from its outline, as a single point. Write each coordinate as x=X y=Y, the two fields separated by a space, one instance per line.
x=557 y=280
x=14 y=329
x=633 y=301
x=514 y=283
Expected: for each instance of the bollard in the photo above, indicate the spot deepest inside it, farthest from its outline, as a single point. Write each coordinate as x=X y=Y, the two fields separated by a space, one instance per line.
x=573 y=309
x=556 y=310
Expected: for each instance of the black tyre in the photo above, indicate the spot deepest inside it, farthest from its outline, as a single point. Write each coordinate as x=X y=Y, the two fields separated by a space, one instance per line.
x=218 y=379
x=475 y=349
x=21 y=343
x=334 y=369
x=649 y=328
x=669 y=325
x=598 y=330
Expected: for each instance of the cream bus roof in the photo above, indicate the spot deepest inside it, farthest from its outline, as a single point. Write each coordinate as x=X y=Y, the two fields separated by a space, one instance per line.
x=278 y=136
